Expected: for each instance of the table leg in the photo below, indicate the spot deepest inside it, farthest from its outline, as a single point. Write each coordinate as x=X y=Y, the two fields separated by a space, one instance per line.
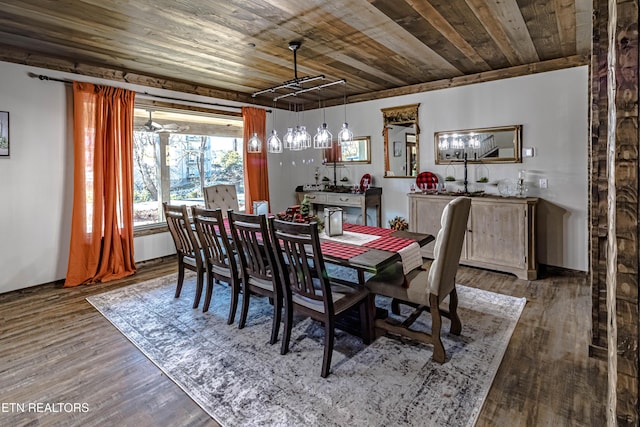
x=370 y=312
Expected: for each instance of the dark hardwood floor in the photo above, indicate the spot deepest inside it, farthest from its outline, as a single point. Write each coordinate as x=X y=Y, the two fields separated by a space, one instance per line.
x=56 y=348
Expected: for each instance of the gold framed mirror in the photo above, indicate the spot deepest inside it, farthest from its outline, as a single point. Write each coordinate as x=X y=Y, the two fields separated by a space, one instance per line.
x=401 y=141
x=356 y=151
x=486 y=145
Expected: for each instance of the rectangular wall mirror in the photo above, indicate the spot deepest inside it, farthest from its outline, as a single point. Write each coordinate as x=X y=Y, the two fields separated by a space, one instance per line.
x=357 y=151
x=401 y=141
x=486 y=145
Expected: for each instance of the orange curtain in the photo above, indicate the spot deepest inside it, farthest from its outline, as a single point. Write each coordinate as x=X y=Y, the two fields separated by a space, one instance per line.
x=102 y=220
x=256 y=176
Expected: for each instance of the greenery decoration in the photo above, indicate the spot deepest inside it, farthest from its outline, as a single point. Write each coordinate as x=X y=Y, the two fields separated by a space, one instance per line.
x=398 y=223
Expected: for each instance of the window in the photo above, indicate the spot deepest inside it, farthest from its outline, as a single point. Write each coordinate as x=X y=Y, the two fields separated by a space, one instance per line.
x=178 y=152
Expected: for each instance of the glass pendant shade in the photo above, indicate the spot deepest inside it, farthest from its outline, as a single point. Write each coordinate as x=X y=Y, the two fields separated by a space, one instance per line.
x=322 y=139
x=254 y=145
x=302 y=139
x=345 y=135
x=288 y=138
x=296 y=143
x=306 y=137
x=274 y=143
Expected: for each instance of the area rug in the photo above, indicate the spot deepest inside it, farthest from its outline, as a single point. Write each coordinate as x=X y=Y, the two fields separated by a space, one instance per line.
x=241 y=380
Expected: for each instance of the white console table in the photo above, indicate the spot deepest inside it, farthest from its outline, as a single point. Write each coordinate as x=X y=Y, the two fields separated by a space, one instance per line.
x=372 y=198
x=500 y=231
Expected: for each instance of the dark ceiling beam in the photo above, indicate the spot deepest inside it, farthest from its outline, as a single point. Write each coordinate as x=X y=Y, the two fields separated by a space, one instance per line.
x=10 y=54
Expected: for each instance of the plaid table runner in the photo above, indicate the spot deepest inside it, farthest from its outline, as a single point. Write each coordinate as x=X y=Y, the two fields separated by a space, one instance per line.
x=367 y=229
x=389 y=243
x=340 y=250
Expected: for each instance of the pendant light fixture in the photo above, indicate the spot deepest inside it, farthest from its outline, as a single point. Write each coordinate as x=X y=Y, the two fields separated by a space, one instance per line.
x=298 y=138
x=288 y=139
x=274 y=144
x=322 y=138
x=254 y=145
x=345 y=135
x=303 y=137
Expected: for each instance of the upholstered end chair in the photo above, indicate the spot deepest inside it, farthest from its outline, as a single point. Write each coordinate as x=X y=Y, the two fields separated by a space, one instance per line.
x=432 y=289
x=221 y=196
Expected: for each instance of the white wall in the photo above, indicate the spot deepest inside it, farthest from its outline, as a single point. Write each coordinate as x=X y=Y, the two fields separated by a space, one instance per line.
x=34 y=201
x=552 y=107
x=36 y=192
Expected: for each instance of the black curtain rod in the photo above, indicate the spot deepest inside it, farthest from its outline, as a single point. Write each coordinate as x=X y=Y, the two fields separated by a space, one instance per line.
x=53 y=79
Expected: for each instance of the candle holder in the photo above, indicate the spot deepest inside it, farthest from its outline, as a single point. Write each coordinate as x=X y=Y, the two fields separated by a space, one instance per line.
x=333 y=221
x=521 y=188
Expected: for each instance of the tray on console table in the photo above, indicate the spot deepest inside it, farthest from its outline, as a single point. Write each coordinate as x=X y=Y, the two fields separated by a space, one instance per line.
x=500 y=232
x=371 y=198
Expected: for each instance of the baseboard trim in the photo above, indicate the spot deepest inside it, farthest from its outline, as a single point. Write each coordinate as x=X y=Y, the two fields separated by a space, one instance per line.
x=60 y=282
x=155 y=261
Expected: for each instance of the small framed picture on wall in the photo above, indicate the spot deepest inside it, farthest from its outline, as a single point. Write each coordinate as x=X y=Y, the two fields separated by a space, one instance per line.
x=4 y=133
x=397 y=148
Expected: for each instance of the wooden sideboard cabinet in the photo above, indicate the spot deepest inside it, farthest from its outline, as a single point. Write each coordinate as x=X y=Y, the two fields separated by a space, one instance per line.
x=370 y=198
x=500 y=231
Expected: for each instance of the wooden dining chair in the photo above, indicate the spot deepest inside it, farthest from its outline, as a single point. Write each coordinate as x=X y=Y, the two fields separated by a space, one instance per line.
x=427 y=289
x=218 y=255
x=259 y=268
x=308 y=289
x=187 y=247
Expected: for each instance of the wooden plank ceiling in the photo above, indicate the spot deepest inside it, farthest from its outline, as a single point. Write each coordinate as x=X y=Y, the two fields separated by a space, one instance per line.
x=233 y=48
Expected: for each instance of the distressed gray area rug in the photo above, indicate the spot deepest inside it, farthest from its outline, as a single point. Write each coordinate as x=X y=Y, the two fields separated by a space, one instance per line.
x=241 y=380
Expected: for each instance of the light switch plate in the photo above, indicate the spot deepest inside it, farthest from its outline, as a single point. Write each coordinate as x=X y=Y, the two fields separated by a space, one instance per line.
x=527 y=152
x=542 y=183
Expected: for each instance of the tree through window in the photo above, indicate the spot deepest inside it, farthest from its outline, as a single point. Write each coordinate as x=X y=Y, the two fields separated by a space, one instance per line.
x=177 y=152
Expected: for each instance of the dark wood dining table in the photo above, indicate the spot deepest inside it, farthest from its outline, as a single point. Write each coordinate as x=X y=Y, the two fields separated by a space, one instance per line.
x=370 y=259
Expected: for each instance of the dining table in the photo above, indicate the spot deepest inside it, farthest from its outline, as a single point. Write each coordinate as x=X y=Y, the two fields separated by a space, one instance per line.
x=382 y=249
x=368 y=249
